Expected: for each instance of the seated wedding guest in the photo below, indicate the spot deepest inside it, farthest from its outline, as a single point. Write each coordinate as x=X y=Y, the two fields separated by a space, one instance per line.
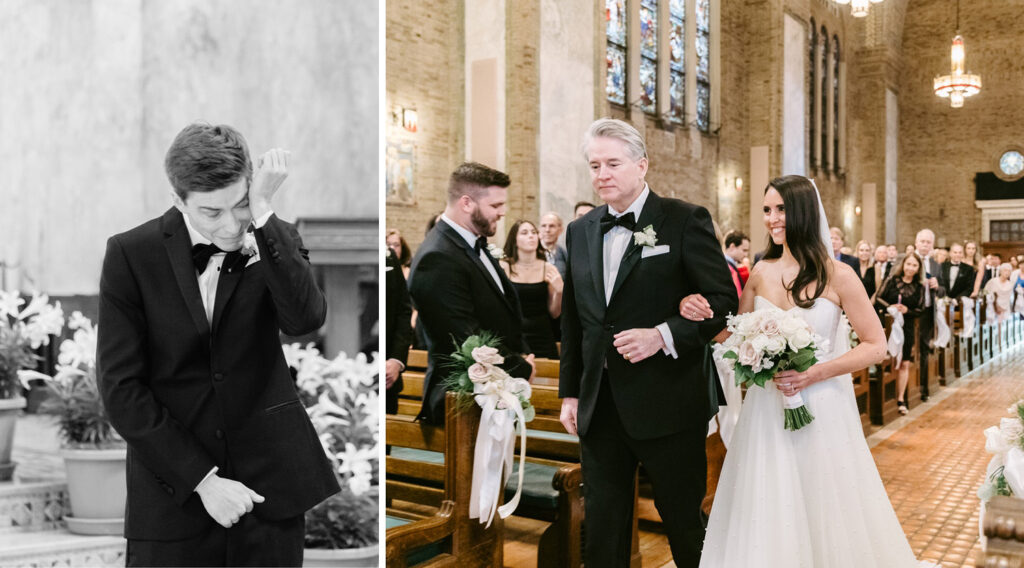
x=940 y=255
x=396 y=242
x=1002 y=287
x=837 y=245
x=957 y=277
x=971 y=255
x=909 y=249
x=398 y=330
x=1015 y=264
x=538 y=285
x=550 y=231
x=737 y=247
x=882 y=265
x=866 y=267
x=581 y=208
x=891 y=252
x=905 y=290
x=989 y=271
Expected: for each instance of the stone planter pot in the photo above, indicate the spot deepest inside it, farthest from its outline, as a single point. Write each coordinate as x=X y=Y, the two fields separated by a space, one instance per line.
x=364 y=557
x=96 y=486
x=10 y=408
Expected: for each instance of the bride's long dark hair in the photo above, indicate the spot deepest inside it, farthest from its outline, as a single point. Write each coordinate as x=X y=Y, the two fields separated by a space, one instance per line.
x=803 y=236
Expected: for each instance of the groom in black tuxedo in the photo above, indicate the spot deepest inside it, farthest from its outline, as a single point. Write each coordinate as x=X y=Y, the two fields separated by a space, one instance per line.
x=631 y=378
x=458 y=286
x=222 y=458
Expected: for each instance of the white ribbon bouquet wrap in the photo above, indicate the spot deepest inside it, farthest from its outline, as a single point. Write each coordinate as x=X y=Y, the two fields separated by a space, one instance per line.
x=504 y=403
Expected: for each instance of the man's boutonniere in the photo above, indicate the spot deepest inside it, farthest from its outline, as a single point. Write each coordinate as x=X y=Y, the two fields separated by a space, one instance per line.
x=646 y=238
x=496 y=251
x=249 y=247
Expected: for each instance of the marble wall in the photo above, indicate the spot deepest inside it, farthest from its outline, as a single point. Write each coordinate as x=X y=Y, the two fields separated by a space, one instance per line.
x=95 y=90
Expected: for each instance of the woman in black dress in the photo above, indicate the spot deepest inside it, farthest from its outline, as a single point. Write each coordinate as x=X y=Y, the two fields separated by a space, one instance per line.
x=538 y=285
x=904 y=289
x=866 y=272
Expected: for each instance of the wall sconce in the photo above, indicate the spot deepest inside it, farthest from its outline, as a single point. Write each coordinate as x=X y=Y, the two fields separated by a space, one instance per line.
x=405 y=117
x=738 y=184
x=857 y=210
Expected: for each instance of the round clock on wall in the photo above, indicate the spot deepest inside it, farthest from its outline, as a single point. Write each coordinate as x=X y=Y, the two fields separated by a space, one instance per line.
x=1011 y=165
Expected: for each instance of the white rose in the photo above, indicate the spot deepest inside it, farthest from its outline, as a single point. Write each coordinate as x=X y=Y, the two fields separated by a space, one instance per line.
x=799 y=339
x=747 y=355
x=994 y=441
x=775 y=345
x=747 y=324
x=1011 y=430
x=769 y=326
x=486 y=354
x=790 y=325
x=760 y=344
x=480 y=372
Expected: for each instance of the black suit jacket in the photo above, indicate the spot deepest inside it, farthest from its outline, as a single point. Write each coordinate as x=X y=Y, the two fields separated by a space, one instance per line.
x=964 y=284
x=660 y=395
x=188 y=395
x=397 y=324
x=852 y=261
x=456 y=297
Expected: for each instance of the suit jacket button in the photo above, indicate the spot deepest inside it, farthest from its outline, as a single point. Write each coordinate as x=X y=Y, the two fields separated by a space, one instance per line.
x=609 y=327
x=220 y=434
x=270 y=241
x=218 y=376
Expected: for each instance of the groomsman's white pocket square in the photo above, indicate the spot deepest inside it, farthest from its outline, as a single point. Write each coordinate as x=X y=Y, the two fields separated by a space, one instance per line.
x=253 y=260
x=653 y=251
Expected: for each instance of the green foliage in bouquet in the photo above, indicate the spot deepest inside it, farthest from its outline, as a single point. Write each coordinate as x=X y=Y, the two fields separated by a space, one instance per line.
x=799 y=361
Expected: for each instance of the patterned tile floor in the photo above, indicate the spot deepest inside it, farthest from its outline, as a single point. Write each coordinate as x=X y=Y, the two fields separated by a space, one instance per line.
x=934 y=462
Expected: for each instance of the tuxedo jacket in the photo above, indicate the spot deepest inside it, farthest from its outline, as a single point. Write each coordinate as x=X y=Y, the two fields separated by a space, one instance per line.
x=659 y=395
x=558 y=257
x=397 y=324
x=188 y=395
x=964 y=284
x=851 y=261
x=457 y=297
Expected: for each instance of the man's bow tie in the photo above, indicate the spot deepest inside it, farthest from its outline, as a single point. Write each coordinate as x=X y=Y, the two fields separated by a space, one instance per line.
x=955 y=264
x=202 y=253
x=609 y=221
x=481 y=244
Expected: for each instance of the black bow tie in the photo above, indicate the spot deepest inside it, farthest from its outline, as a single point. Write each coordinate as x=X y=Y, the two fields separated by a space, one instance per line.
x=955 y=264
x=481 y=244
x=609 y=221
x=201 y=255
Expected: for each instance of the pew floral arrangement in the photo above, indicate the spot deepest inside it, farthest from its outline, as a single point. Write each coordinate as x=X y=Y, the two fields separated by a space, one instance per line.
x=505 y=407
x=768 y=341
x=1005 y=472
x=340 y=396
x=22 y=332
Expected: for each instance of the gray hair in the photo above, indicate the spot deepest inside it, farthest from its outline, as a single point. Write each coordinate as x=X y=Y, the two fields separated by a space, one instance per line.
x=619 y=130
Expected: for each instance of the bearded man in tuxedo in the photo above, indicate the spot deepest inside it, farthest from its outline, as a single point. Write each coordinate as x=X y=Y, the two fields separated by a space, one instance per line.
x=631 y=381
x=223 y=460
x=457 y=285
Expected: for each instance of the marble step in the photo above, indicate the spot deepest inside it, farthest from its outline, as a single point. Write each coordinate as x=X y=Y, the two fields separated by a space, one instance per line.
x=32 y=506
x=57 y=548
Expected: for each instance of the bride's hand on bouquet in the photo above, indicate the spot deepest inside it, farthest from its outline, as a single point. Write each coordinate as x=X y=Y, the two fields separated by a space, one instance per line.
x=792 y=382
x=695 y=308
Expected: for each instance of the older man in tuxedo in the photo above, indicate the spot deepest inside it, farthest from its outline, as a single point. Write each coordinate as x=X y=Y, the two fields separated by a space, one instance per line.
x=630 y=379
x=924 y=243
x=458 y=286
x=222 y=458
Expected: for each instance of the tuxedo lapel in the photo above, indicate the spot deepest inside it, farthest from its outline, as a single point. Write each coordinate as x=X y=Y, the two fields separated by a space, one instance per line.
x=652 y=215
x=461 y=243
x=594 y=240
x=179 y=251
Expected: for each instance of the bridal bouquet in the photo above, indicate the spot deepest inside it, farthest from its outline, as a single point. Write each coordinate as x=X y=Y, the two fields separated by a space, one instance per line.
x=505 y=407
x=766 y=342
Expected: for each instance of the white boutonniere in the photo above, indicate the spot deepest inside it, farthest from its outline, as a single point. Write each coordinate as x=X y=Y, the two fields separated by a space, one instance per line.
x=495 y=251
x=646 y=238
x=249 y=247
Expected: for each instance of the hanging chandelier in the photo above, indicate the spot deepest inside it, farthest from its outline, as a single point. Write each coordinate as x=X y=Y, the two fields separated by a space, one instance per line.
x=859 y=8
x=958 y=84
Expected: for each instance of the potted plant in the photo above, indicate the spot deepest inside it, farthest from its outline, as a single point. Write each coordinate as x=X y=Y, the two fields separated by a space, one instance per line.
x=22 y=332
x=340 y=396
x=94 y=455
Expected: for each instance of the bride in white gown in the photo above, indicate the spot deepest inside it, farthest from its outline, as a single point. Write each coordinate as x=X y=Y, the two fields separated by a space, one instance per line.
x=810 y=498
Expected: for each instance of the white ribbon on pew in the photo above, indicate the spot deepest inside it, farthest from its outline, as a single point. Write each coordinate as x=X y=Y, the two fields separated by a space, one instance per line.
x=728 y=414
x=942 y=333
x=1018 y=304
x=896 y=334
x=501 y=415
x=968 y=307
x=990 y=308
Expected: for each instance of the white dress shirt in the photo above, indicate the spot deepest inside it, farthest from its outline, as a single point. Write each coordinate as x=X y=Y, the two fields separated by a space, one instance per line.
x=616 y=241
x=471 y=239
x=210 y=277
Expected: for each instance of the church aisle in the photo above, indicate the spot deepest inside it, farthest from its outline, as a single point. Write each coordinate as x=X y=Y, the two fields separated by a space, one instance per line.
x=931 y=461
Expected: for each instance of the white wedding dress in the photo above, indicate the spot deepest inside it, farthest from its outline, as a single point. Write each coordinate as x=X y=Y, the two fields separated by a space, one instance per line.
x=805 y=499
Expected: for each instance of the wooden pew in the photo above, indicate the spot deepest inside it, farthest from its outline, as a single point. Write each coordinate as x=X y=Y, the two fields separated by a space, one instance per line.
x=861 y=390
x=882 y=386
x=961 y=345
x=914 y=376
x=947 y=355
x=986 y=331
x=976 y=339
x=1003 y=525
x=462 y=541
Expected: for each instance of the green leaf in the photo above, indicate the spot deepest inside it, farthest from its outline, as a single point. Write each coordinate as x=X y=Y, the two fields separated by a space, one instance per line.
x=730 y=355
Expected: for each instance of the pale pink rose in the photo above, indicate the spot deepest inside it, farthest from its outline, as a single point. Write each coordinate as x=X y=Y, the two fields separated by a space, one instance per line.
x=488 y=355
x=747 y=354
x=480 y=372
x=770 y=326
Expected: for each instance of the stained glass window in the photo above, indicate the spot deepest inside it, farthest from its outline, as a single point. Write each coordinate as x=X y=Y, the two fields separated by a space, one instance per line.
x=677 y=61
x=812 y=42
x=649 y=56
x=835 y=103
x=1011 y=163
x=615 y=30
x=703 y=65
x=823 y=46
